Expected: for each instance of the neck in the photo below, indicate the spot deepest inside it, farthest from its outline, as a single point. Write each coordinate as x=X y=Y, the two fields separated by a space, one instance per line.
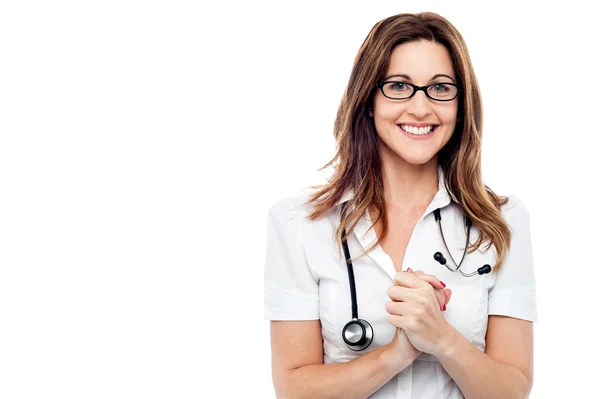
x=408 y=187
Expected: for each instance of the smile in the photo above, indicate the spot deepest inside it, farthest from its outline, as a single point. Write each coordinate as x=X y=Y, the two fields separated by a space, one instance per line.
x=418 y=133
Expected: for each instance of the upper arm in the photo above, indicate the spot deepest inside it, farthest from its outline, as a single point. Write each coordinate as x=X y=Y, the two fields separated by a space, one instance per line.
x=294 y=344
x=291 y=296
x=514 y=291
x=512 y=307
x=510 y=340
x=291 y=291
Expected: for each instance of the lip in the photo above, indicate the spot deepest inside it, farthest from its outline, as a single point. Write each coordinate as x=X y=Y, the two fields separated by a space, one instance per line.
x=416 y=137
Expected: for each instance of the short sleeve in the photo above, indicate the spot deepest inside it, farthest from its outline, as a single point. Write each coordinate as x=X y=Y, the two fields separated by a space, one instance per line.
x=290 y=291
x=513 y=293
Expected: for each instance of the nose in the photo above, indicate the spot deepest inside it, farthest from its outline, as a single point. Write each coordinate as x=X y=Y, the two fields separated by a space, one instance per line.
x=419 y=105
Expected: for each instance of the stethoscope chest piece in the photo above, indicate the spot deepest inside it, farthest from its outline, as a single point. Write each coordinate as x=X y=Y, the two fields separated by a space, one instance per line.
x=357 y=334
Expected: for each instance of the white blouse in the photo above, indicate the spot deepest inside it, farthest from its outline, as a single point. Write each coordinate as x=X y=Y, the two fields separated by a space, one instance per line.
x=306 y=279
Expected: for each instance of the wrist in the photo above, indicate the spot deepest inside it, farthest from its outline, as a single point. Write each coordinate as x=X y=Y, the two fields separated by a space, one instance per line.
x=399 y=353
x=393 y=361
x=451 y=340
x=388 y=358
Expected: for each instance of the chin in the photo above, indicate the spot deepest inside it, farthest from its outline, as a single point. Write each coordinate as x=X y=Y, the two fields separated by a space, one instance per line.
x=415 y=159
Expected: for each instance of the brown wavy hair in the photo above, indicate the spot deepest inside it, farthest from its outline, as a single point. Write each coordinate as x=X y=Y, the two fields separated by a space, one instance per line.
x=357 y=161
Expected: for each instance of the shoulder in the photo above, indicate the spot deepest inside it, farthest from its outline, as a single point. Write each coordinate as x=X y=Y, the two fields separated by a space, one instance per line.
x=516 y=214
x=514 y=208
x=290 y=208
x=294 y=210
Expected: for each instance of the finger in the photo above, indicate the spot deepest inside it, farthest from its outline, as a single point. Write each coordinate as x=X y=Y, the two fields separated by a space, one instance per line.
x=434 y=281
x=448 y=294
x=404 y=295
x=407 y=279
x=398 y=308
x=441 y=298
x=398 y=293
x=398 y=321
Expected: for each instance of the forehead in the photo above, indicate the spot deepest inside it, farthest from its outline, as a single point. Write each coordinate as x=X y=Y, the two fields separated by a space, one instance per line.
x=420 y=60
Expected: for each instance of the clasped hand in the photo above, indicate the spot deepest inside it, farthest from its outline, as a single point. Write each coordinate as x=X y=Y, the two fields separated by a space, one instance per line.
x=417 y=302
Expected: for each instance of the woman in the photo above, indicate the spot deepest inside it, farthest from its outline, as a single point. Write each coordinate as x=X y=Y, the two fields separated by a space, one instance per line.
x=409 y=131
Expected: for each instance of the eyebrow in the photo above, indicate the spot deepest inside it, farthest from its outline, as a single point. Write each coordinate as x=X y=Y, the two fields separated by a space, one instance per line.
x=400 y=75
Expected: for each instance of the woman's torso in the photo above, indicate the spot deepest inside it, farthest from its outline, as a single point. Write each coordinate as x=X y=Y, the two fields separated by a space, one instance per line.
x=410 y=243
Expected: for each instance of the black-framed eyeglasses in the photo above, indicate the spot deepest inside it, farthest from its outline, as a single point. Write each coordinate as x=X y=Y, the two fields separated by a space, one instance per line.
x=398 y=90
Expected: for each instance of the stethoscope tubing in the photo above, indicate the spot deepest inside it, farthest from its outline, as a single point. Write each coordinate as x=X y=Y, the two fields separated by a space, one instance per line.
x=350 y=277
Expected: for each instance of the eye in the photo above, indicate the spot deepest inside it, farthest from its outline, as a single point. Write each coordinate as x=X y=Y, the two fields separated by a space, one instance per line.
x=441 y=88
x=398 y=86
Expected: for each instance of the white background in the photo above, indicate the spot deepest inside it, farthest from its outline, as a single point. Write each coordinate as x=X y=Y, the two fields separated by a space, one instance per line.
x=142 y=144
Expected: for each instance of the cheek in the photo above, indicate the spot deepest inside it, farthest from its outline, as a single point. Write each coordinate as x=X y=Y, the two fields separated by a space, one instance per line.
x=385 y=116
x=385 y=124
x=448 y=118
x=386 y=111
x=449 y=130
x=447 y=115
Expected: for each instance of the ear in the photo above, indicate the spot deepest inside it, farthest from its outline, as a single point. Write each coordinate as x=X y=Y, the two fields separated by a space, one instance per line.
x=370 y=112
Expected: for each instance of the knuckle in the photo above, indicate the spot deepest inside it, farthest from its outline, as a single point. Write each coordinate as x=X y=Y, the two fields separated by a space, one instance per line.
x=388 y=306
x=412 y=324
x=397 y=276
x=390 y=290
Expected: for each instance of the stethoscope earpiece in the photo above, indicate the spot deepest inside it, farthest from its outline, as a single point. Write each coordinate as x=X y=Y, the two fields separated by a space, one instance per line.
x=439 y=257
x=485 y=269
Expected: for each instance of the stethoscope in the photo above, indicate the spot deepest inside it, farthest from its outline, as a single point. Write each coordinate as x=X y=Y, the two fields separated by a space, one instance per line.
x=358 y=333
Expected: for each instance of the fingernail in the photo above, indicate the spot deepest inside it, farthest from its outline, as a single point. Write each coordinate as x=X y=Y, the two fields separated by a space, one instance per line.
x=444 y=285
x=444 y=306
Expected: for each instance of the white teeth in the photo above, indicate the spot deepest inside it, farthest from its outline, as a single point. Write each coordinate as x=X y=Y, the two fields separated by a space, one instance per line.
x=417 y=130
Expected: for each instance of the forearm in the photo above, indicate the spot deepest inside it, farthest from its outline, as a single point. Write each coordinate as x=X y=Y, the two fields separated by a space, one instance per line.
x=478 y=375
x=358 y=378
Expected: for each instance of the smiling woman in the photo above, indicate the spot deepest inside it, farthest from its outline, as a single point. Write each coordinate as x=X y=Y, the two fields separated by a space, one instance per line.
x=409 y=131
